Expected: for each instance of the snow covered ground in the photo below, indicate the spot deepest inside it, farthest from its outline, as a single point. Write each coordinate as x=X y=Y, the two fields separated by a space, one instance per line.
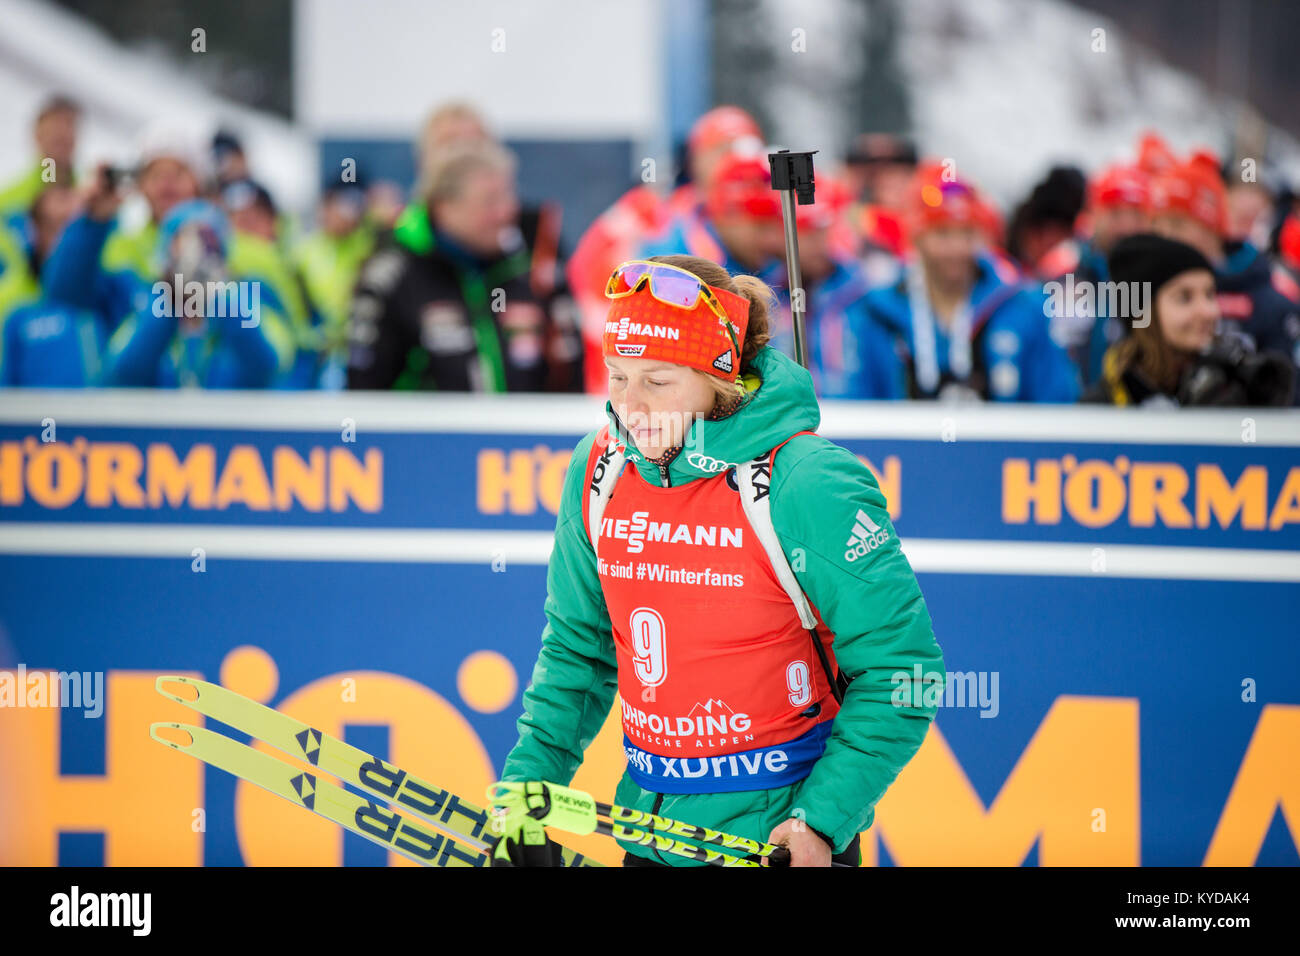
x=1007 y=87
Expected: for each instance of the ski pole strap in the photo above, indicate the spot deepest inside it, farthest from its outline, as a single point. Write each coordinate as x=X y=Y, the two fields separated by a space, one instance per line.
x=839 y=682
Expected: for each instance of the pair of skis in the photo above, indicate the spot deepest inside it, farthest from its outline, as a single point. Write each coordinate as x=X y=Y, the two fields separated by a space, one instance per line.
x=464 y=832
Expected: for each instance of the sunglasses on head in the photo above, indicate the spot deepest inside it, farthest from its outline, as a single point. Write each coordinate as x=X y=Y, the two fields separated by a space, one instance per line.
x=669 y=284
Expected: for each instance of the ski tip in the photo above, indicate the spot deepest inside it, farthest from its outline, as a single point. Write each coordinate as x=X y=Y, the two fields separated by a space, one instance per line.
x=184 y=690
x=174 y=735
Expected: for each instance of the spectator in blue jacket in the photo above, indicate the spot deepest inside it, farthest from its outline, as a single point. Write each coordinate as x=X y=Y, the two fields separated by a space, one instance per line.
x=196 y=326
x=960 y=328
x=44 y=342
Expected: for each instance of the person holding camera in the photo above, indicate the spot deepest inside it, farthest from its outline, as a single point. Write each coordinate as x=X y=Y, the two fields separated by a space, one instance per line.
x=1173 y=352
x=201 y=324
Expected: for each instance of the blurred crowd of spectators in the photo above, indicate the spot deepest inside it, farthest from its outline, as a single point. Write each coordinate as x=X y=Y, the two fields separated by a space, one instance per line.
x=1165 y=280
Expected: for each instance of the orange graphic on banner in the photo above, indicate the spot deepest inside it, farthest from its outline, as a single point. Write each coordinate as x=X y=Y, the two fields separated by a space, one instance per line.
x=144 y=803
x=1096 y=493
x=1268 y=781
x=1074 y=792
x=100 y=474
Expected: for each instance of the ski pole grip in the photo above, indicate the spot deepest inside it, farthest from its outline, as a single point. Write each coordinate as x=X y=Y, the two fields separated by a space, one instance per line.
x=553 y=805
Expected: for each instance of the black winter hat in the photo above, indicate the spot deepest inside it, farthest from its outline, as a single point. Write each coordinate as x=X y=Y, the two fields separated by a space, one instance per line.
x=1146 y=257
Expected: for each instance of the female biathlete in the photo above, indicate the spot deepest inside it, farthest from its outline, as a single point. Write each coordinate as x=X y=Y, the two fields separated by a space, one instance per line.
x=677 y=583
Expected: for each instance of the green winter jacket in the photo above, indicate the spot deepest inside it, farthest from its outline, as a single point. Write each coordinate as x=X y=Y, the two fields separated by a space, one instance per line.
x=873 y=605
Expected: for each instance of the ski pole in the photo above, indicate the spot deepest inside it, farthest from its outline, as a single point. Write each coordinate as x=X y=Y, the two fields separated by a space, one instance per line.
x=657 y=841
x=643 y=820
x=576 y=812
x=792 y=175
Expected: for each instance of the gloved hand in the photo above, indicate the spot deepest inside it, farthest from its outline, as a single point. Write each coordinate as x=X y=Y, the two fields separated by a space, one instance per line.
x=523 y=842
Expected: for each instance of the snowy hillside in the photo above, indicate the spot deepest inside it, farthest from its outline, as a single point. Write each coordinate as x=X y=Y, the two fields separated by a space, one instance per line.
x=44 y=49
x=1006 y=87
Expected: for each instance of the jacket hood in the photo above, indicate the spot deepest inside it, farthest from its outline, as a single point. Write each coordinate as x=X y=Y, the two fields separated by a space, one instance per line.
x=779 y=402
x=1243 y=268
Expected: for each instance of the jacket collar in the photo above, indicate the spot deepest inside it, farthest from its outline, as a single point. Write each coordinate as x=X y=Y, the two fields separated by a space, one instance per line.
x=780 y=401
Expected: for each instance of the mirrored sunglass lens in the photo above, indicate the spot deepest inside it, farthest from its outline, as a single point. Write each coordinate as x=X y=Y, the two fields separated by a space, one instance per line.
x=674 y=287
x=626 y=278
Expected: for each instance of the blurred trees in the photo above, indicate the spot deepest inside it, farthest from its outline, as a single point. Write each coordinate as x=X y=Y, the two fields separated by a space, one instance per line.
x=249 y=55
x=848 y=81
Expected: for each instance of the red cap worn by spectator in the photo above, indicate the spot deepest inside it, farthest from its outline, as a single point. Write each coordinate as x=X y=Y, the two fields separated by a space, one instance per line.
x=1154 y=155
x=936 y=199
x=1193 y=189
x=1120 y=185
x=882 y=227
x=724 y=124
x=742 y=185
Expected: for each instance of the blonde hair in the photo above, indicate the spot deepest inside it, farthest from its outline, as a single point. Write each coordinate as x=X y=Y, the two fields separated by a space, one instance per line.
x=455 y=111
x=447 y=169
x=757 y=332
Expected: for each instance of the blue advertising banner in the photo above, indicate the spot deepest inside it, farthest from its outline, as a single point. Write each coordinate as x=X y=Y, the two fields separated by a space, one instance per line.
x=1116 y=595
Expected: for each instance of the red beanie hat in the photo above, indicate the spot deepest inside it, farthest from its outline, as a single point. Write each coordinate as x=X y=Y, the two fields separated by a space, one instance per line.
x=1194 y=189
x=1154 y=154
x=1120 y=185
x=937 y=199
x=742 y=185
x=722 y=125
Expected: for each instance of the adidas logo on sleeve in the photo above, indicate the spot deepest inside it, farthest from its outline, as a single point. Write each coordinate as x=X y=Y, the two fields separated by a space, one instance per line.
x=867 y=536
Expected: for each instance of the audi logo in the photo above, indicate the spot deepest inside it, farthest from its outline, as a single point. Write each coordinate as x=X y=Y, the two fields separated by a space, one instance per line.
x=705 y=463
